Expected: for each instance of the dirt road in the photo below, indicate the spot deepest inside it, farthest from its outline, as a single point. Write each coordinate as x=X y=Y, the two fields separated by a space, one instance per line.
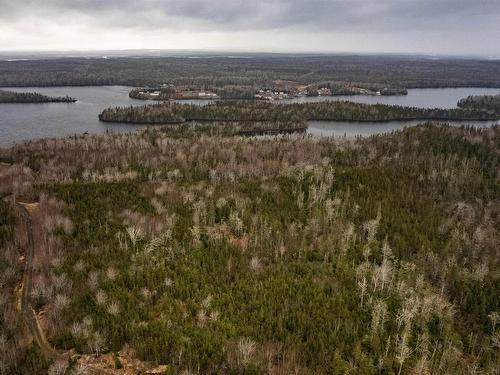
x=26 y=308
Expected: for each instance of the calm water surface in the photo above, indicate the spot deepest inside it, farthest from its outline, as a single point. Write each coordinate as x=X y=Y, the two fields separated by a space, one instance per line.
x=353 y=129
x=422 y=98
x=32 y=121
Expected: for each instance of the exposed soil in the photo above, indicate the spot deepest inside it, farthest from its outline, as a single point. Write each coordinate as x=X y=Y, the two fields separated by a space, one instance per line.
x=27 y=310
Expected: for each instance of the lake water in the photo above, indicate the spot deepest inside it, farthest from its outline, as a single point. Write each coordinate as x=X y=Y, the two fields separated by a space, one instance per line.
x=422 y=98
x=352 y=129
x=32 y=121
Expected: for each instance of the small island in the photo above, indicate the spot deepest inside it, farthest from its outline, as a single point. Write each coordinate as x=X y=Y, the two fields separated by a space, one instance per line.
x=32 y=97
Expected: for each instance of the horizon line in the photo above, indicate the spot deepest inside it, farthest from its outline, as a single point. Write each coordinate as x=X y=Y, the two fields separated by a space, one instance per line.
x=153 y=51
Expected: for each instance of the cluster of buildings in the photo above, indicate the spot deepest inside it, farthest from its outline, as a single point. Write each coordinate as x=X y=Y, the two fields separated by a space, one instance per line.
x=165 y=93
x=272 y=95
x=279 y=91
x=195 y=95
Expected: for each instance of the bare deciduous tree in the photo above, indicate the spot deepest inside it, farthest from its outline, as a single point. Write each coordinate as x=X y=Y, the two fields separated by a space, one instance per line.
x=246 y=350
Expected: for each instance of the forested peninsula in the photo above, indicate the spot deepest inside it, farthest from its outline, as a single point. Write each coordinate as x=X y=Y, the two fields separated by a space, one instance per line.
x=31 y=97
x=168 y=113
x=489 y=103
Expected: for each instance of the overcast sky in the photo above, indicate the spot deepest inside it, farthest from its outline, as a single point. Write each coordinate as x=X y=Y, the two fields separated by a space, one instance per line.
x=408 y=26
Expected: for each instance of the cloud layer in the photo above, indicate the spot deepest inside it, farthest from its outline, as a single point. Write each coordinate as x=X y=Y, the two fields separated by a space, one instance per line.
x=462 y=26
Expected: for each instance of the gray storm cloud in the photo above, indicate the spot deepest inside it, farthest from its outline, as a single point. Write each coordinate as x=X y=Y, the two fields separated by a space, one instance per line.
x=474 y=23
x=221 y=15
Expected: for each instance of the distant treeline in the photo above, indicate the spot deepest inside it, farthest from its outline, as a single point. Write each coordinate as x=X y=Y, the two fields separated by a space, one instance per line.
x=291 y=113
x=258 y=70
x=31 y=97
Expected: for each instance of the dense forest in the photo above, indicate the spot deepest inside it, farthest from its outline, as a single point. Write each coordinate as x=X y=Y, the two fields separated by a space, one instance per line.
x=252 y=70
x=166 y=113
x=31 y=97
x=489 y=103
x=284 y=255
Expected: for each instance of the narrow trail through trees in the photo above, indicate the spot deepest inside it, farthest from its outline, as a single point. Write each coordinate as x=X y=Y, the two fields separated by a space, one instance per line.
x=28 y=215
x=27 y=310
